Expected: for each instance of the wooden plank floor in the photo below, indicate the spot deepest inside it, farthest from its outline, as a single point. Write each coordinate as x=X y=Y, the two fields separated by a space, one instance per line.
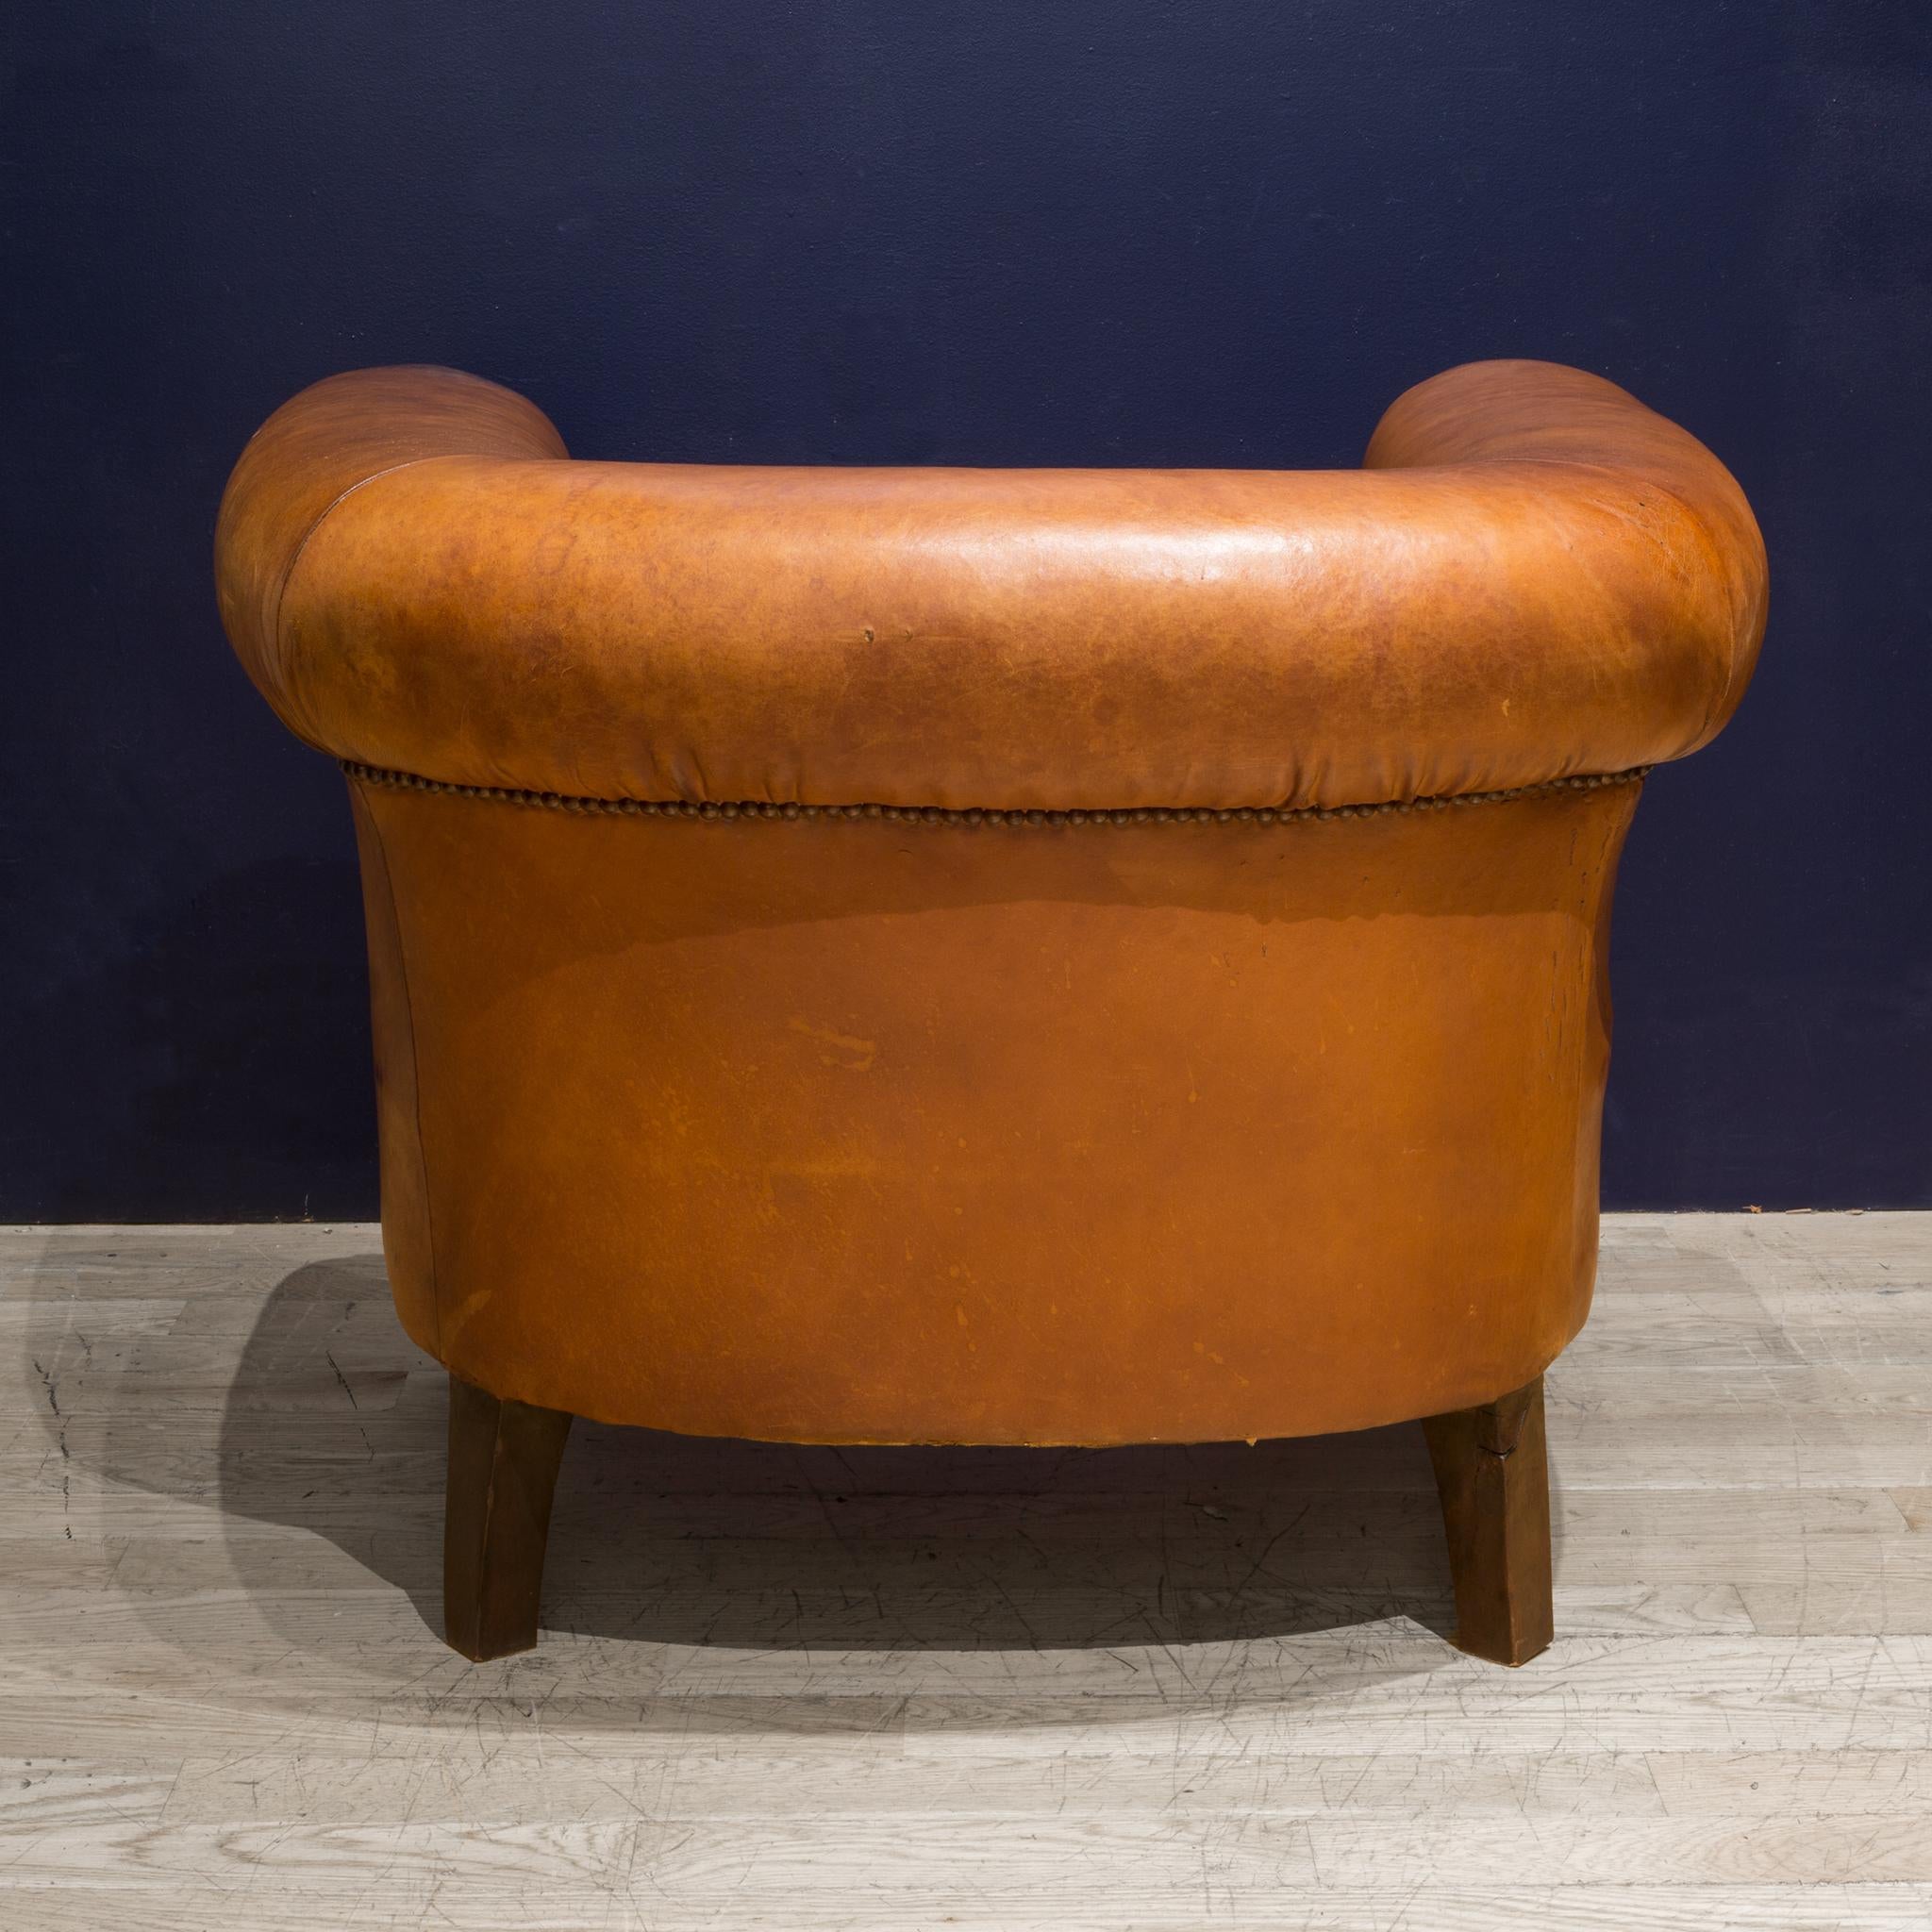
x=807 y=1688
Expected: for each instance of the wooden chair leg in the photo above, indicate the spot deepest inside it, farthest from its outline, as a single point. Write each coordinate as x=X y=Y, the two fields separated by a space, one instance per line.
x=503 y=1463
x=1492 y=1472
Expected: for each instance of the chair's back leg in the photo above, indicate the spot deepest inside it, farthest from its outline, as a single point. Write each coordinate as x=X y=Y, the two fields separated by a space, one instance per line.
x=1492 y=1472
x=503 y=1463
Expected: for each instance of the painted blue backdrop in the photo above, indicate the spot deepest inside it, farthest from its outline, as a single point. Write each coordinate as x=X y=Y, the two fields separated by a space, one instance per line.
x=968 y=231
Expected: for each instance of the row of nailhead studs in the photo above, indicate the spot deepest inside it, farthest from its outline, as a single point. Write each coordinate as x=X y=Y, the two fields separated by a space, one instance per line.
x=942 y=815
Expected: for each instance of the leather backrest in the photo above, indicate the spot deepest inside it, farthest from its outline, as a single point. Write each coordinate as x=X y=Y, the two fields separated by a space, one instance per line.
x=1532 y=576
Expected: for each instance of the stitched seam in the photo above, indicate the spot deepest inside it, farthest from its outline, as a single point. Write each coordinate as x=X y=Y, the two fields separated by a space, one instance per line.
x=947 y=815
x=395 y=916
x=1733 y=649
x=334 y=504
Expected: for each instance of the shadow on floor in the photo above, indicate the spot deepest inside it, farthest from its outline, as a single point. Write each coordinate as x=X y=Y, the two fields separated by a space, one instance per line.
x=703 y=1542
x=309 y=1411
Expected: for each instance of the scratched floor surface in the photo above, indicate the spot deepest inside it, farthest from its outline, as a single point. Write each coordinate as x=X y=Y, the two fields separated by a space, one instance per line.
x=806 y=1688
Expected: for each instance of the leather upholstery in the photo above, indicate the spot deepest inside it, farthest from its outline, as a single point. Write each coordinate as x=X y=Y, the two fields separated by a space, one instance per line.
x=863 y=1128
x=1535 y=576
x=859 y=1131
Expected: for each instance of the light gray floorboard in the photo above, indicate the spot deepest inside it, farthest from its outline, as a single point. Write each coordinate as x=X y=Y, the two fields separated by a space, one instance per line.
x=809 y=1688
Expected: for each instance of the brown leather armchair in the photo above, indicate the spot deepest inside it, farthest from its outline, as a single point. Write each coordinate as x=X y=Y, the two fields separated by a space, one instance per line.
x=1008 y=957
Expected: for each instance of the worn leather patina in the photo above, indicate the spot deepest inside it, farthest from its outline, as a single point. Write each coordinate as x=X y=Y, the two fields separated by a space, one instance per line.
x=1074 y=957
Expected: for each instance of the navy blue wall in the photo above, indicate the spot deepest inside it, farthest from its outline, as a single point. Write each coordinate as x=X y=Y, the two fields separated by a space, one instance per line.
x=975 y=232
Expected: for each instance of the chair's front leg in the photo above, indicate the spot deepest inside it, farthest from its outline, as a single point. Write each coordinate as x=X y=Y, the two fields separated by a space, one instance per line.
x=503 y=1462
x=1493 y=1474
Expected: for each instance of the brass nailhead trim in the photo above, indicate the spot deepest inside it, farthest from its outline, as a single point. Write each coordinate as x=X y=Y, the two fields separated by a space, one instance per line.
x=944 y=815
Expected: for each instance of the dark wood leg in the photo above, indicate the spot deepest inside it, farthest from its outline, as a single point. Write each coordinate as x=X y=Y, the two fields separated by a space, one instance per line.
x=503 y=1462
x=1492 y=1471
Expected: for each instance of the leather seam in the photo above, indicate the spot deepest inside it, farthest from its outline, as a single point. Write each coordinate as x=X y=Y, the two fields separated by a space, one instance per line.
x=1717 y=710
x=711 y=812
x=395 y=914
x=308 y=536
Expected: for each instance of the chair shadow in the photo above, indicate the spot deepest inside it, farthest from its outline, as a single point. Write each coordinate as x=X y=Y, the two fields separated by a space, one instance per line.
x=334 y=1425
x=712 y=1583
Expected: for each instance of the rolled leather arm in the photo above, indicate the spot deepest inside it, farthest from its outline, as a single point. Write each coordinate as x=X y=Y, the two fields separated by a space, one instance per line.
x=335 y=437
x=1533 y=576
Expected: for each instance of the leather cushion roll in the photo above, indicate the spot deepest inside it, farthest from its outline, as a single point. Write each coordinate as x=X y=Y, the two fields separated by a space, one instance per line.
x=1533 y=577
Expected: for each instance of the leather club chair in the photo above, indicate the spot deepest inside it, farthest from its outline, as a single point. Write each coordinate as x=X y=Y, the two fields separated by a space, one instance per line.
x=992 y=955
